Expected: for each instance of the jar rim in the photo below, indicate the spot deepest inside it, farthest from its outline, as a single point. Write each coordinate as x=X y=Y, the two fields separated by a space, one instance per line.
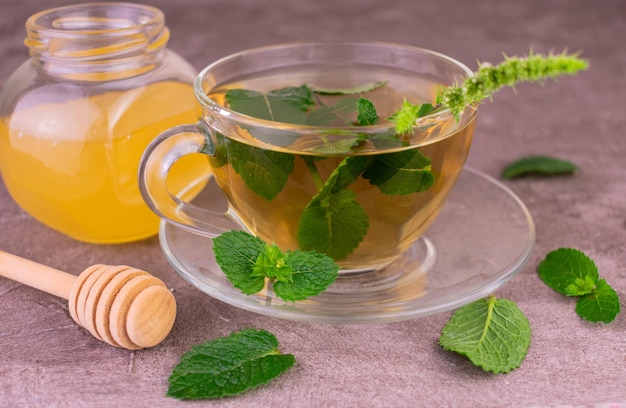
x=78 y=19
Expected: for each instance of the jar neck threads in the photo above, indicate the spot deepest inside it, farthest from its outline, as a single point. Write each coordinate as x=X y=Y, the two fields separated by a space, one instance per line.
x=97 y=41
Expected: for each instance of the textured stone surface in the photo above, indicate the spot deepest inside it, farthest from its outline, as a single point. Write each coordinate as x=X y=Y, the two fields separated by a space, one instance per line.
x=47 y=361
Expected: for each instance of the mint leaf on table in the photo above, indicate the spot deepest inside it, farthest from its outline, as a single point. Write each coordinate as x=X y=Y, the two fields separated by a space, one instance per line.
x=572 y=273
x=544 y=165
x=247 y=262
x=567 y=270
x=228 y=366
x=493 y=333
x=601 y=305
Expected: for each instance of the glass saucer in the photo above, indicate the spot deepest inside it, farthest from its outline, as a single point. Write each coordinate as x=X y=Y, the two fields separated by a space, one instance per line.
x=482 y=238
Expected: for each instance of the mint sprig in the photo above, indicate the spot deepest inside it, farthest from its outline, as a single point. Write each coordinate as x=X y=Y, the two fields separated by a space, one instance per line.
x=493 y=333
x=228 y=366
x=571 y=272
x=248 y=262
x=489 y=79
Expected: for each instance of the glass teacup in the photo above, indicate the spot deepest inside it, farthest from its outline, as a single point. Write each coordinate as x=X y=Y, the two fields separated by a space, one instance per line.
x=280 y=129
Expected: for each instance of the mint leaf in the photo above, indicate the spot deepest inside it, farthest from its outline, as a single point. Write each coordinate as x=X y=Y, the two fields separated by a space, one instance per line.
x=333 y=222
x=538 y=165
x=312 y=274
x=264 y=171
x=601 y=305
x=567 y=271
x=247 y=261
x=288 y=105
x=399 y=173
x=236 y=252
x=367 y=113
x=493 y=333
x=228 y=366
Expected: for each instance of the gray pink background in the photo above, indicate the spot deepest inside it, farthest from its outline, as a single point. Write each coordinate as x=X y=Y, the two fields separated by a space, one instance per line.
x=47 y=361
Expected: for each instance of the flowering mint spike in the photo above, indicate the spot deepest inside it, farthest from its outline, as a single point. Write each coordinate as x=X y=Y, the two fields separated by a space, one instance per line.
x=513 y=70
x=489 y=79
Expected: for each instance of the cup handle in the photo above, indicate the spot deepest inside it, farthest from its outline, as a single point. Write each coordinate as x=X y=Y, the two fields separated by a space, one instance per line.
x=155 y=164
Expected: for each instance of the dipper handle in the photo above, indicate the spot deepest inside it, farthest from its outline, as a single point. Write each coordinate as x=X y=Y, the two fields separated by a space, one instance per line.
x=123 y=306
x=36 y=275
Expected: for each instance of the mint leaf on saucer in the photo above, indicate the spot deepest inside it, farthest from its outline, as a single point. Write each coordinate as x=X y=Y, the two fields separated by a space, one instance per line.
x=312 y=274
x=601 y=305
x=272 y=263
x=228 y=366
x=493 y=333
x=248 y=262
x=569 y=272
x=544 y=165
x=236 y=252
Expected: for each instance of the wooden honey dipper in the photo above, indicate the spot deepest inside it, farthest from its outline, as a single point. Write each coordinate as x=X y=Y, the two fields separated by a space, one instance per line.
x=121 y=305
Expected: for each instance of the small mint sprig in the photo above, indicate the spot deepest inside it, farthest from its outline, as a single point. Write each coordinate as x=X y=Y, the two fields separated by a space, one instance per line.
x=488 y=79
x=572 y=273
x=247 y=262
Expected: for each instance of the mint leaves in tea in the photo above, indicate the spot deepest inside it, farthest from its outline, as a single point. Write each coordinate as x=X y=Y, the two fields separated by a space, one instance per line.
x=325 y=170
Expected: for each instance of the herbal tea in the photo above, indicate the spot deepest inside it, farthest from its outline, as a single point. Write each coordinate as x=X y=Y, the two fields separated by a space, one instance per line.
x=361 y=198
x=86 y=183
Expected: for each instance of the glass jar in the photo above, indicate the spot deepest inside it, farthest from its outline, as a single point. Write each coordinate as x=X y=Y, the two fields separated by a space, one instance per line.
x=76 y=117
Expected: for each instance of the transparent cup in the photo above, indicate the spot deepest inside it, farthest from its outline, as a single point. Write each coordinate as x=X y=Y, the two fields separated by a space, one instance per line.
x=345 y=190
